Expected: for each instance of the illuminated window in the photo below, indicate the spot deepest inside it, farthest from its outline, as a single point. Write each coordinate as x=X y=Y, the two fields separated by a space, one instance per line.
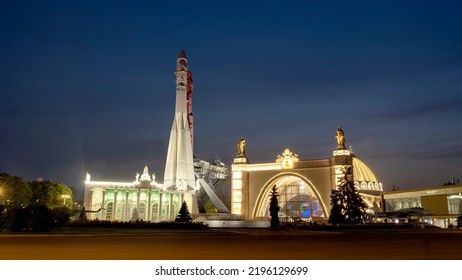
x=127 y=213
x=142 y=211
x=155 y=212
x=164 y=211
x=143 y=195
x=132 y=196
x=108 y=214
x=402 y=203
x=118 y=213
x=455 y=203
x=297 y=201
x=176 y=209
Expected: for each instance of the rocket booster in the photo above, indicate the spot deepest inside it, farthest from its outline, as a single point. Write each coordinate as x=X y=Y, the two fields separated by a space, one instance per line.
x=179 y=168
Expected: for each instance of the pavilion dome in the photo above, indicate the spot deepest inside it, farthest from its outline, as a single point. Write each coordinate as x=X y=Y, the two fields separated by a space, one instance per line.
x=362 y=172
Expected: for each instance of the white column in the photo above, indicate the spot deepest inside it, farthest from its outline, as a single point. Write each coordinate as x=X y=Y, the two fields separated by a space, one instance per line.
x=149 y=218
x=159 y=209
x=138 y=202
x=103 y=206
x=170 y=208
x=114 y=205
x=126 y=211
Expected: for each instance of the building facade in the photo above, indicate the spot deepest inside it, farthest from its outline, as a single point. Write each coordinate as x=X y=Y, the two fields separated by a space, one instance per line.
x=142 y=199
x=304 y=186
x=443 y=204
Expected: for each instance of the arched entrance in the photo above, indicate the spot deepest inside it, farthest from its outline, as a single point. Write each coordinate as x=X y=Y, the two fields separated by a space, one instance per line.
x=298 y=198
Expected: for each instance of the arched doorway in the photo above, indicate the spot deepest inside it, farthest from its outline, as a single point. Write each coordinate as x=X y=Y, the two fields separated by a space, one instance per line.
x=298 y=199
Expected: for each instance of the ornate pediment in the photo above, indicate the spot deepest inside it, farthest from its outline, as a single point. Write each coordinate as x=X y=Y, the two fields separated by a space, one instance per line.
x=287 y=159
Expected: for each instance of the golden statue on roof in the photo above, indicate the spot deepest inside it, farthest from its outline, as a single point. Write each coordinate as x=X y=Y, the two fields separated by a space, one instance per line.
x=241 y=148
x=340 y=139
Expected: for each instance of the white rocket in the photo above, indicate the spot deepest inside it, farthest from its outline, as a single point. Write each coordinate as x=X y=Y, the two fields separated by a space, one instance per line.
x=179 y=167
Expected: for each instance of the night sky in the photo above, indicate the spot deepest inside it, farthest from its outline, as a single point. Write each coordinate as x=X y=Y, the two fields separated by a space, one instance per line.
x=89 y=86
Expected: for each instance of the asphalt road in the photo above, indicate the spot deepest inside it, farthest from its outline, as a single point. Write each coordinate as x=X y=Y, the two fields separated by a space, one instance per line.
x=235 y=245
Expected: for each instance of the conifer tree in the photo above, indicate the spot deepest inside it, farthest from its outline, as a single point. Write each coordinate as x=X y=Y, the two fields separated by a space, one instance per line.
x=274 y=207
x=336 y=217
x=348 y=207
x=183 y=214
x=134 y=215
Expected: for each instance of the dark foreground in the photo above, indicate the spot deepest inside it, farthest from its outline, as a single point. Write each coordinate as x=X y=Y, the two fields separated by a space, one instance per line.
x=235 y=245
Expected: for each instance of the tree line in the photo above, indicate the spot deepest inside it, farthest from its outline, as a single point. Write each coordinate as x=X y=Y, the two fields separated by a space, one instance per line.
x=39 y=205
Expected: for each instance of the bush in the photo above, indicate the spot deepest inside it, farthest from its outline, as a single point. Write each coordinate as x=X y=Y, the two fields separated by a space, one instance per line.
x=15 y=219
x=36 y=217
x=61 y=216
x=139 y=224
x=40 y=218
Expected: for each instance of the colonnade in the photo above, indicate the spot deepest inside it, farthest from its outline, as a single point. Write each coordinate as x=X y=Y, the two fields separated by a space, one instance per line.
x=116 y=209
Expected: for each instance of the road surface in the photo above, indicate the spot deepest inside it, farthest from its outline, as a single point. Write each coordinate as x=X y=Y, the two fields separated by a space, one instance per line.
x=235 y=245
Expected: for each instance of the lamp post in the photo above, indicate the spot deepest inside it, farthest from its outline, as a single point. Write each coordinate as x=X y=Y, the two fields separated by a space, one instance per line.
x=64 y=196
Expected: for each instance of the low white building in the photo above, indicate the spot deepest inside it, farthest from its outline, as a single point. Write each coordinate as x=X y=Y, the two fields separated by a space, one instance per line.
x=143 y=199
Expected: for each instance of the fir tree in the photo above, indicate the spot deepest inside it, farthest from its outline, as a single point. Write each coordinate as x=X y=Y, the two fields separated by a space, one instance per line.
x=274 y=207
x=336 y=217
x=183 y=214
x=347 y=204
x=135 y=216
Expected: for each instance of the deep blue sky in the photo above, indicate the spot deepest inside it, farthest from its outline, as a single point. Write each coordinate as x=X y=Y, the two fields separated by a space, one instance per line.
x=89 y=86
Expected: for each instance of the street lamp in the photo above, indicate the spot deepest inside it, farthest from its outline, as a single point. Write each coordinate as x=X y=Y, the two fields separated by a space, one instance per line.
x=64 y=196
x=3 y=190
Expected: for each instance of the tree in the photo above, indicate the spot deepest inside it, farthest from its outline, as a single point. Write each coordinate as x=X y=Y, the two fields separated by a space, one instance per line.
x=336 y=217
x=210 y=207
x=34 y=217
x=40 y=218
x=348 y=207
x=274 y=208
x=61 y=216
x=32 y=206
x=183 y=214
x=135 y=215
x=51 y=194
x=14 y=192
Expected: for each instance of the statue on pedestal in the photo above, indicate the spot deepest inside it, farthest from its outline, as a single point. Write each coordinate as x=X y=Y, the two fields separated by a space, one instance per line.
x=340 y=139
x=241 y=148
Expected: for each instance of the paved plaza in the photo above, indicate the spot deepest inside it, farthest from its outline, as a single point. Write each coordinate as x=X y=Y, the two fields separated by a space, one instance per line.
x=235 y=245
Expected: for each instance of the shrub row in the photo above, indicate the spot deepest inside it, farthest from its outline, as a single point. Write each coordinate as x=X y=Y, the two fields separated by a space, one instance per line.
x=138 y=224
x=32 y=218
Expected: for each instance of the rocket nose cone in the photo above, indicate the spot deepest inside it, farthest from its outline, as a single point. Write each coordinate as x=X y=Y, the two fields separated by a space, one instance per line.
x=182 y=54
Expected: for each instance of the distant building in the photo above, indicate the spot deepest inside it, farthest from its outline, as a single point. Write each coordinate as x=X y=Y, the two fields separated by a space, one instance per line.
x=142 y=199
x=444 y=203
x=304 y=186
